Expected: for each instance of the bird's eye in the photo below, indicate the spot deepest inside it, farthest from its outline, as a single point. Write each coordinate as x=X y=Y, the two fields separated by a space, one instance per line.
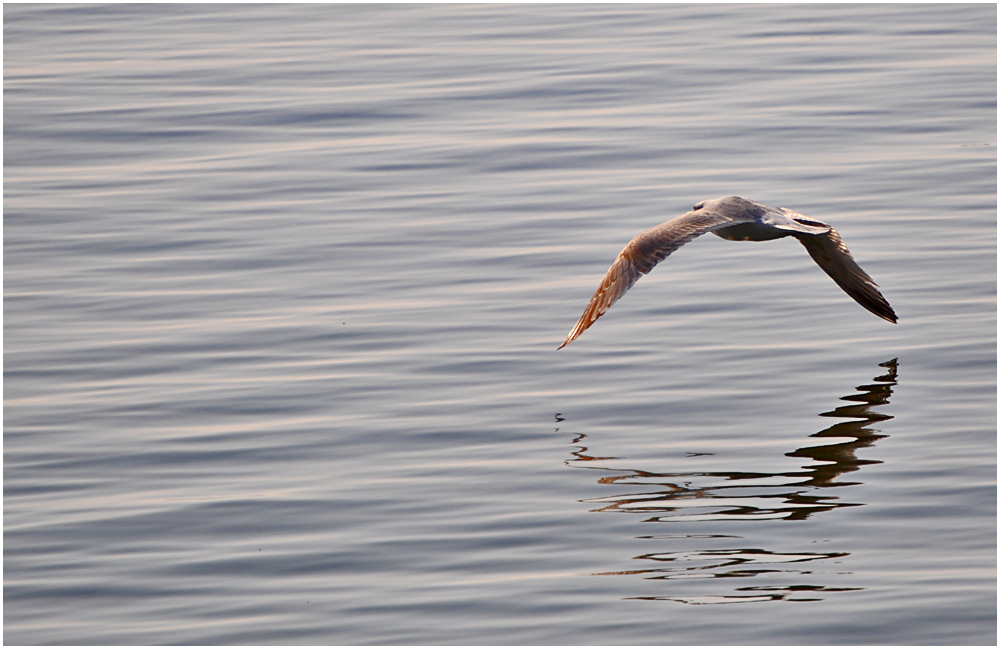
x=699 y=206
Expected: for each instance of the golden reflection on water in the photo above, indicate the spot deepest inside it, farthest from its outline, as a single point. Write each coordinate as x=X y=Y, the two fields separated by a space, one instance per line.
x=748 y=496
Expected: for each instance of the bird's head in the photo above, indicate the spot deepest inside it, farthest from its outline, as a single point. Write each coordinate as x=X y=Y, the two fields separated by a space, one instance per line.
x=734 y=207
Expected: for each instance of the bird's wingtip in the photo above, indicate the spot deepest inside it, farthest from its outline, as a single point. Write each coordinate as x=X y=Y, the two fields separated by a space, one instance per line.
x=887 y=314
x=888 y=317
x=570 y=338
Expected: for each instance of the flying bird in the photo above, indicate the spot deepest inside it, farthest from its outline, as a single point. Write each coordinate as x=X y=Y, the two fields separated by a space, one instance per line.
x=736 y=219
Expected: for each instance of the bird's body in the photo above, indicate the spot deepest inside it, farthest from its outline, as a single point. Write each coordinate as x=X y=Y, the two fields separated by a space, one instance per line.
x=736 y=219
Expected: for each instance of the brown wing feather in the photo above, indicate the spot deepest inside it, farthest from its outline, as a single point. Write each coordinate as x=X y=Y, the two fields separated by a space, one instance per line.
x=642 y=253
x=828 y=250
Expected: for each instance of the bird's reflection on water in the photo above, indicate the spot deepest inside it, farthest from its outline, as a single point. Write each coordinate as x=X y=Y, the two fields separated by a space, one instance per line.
x=747 y=496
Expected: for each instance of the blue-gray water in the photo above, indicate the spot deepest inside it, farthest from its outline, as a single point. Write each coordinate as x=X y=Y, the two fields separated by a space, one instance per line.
x=283 y=287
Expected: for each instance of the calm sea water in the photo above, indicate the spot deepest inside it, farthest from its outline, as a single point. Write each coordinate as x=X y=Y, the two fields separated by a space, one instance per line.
x=283 y=287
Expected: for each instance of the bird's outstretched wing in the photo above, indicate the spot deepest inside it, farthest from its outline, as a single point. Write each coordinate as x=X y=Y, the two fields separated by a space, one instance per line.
x=828 y=250
x=647 y=249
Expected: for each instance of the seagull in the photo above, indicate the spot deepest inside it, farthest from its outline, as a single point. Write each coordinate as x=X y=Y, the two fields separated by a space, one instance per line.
x=736 y=219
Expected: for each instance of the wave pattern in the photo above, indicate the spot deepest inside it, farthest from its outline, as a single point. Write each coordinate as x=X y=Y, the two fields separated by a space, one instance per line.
x=730 y=496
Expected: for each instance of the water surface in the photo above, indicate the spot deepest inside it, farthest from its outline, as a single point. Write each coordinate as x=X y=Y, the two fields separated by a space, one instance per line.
x=283 y=287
